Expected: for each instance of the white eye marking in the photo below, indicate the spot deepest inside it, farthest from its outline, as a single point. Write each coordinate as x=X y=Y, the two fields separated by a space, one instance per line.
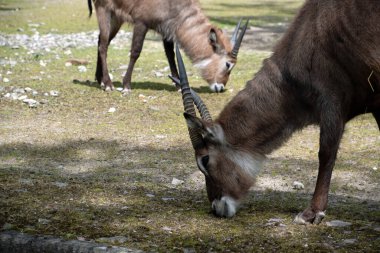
x=230 y=66
x=203 y=63
x=201 y=166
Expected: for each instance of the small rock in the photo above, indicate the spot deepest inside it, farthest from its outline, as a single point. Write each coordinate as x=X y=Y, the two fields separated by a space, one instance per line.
x=349 y=241
x=43 y=63
x=112 y=110
x=19 y=90
x=54 y=93
x=14 y=96
x=31 y=102
x=150 y=195
x=167 y=198
x=68 y=64
x=60 y=184
x=176 y=181
x=298 y=185
x=25 y=181
x=374 y=168
x=154 y=108
x=167 y=229
x=5 y=80
x=27 y=89
x=22 y=97
x=275 y=222
x=158 y=74
x=338 y=223
x=43 y=221
x=82 y=68
x=44 y=101
x=119 y=89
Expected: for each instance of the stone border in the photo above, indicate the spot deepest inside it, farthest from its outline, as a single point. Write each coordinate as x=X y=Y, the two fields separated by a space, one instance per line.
x=15 y=242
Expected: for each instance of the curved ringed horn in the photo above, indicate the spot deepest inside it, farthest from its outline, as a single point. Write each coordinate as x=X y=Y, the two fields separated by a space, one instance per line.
x=236 y=47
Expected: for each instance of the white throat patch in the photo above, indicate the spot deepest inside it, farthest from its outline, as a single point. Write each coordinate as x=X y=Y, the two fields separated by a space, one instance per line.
x=250 y=164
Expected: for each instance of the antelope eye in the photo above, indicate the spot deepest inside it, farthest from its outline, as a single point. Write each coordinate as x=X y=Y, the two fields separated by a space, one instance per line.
x=228 y=65
x=205 y=160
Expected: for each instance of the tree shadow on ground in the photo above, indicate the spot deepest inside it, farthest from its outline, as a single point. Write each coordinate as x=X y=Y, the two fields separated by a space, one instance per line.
x=112 y=188
x=143 y=86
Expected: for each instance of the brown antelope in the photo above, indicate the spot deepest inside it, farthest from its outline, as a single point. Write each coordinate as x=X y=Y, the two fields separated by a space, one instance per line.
x=325 y=70
x=180 y=21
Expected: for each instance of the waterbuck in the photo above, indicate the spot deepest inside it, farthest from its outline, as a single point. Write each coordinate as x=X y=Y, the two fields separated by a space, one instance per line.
x=325 y=70
x=180 y=21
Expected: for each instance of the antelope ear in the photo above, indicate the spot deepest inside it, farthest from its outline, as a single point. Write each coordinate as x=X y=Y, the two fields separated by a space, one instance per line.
x=211 y=132
x=193 y=122
x=214 y=39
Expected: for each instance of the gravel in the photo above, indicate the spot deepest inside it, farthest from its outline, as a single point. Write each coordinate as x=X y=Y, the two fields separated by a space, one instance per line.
x=50 y=41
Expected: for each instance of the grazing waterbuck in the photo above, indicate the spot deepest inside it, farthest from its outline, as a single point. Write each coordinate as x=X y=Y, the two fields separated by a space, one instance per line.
x=180 y=21
x=325 y=71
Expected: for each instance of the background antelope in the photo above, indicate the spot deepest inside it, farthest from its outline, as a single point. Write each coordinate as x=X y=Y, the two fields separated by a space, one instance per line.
x=181 y=21
x=325 y=70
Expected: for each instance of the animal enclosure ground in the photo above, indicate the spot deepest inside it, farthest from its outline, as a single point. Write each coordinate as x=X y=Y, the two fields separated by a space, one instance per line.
x=89 y=165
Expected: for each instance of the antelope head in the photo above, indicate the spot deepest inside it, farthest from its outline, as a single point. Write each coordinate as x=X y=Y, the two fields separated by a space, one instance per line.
x=216 y=69
x=229 y=172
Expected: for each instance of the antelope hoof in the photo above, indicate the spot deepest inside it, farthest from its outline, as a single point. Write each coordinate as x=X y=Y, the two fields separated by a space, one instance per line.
x=126 y=91
x=217 y=87
x=109 y=88
x=309 y=217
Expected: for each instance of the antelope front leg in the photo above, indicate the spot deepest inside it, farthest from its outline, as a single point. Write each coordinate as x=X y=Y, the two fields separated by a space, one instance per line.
x=330 y=136
x=111 y=27
x=139 y=32
x=102 y=75
x=169 y=51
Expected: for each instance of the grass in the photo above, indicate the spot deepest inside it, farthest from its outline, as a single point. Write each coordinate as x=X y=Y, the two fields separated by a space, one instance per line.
x=95 y=174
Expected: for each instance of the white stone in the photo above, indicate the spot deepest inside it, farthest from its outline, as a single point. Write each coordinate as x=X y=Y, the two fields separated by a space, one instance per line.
x=31 y=102
x=82 y=68
x=43 y=63
x=68 y=64
x=298 y=185
x=54 y=93
x=22 y=97
x=338 y=223
x=176 y=181
x=112 y=110
x=6 y=80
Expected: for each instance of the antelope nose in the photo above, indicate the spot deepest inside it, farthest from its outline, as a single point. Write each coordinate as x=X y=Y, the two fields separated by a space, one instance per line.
x=224 y=207
x=217 y=87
